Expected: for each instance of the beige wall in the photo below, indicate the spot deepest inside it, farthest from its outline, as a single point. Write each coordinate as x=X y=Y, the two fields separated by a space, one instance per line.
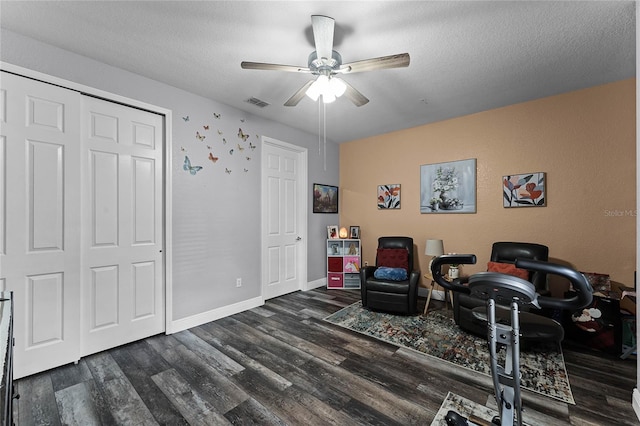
x=583 y=140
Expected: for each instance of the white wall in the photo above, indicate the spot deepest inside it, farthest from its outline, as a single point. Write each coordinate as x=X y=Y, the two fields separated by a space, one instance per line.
x=216 y=215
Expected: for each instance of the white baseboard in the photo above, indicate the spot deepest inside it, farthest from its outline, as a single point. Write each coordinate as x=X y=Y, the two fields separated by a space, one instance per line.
x=437 y=294
x=635 y=402
x=225 y=311
x=214 y=314
x=322 y=282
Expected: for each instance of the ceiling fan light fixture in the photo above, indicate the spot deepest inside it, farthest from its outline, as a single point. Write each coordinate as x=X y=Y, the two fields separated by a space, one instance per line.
x=328 y=88
x=328 y=97
x=313 y=92
x=337 y=87
x=319 y=87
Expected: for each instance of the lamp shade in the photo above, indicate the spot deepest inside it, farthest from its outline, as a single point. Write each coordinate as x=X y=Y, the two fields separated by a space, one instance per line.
x=434 y=248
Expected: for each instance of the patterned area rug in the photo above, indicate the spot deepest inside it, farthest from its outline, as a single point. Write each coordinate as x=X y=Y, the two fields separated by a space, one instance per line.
x=463 y=407
x=542 y=369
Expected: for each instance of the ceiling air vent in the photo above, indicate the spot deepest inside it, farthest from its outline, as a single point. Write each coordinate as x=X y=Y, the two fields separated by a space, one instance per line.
x=257 y=102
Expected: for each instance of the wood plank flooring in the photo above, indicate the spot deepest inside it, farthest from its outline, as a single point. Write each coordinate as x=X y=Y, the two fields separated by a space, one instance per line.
x=281 y=364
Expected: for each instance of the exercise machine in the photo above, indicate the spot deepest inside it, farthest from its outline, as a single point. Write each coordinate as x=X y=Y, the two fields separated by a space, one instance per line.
x=507 y=323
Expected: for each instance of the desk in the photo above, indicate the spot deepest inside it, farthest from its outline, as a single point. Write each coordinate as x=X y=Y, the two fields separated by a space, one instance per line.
x=430 y=287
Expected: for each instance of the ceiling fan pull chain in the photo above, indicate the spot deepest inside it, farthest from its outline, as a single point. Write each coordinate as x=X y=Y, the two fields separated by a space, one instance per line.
x=319 y=122
x=324 y=132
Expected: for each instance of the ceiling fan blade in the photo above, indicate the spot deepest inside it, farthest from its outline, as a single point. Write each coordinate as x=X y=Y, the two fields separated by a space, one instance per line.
x=392 y=61
x=297 y=97
x=354 y=96
x=272 y=67
x=323 y=27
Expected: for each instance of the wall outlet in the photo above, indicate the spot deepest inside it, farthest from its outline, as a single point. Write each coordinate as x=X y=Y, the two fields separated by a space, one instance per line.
x=366 y=263
x=238 y=282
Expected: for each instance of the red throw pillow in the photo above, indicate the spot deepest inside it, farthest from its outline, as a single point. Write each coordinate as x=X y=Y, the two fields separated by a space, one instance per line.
x=508 y=268
x=393 y=258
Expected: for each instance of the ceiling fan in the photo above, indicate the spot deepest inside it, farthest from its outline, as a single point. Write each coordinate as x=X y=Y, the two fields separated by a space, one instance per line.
x=326 y=63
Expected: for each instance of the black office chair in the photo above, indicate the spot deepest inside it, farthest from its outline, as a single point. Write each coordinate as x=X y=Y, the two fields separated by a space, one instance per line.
x=384 y=294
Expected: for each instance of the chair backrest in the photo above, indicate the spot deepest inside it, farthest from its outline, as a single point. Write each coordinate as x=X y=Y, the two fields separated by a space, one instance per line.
x=508 y=252
x=397 y=243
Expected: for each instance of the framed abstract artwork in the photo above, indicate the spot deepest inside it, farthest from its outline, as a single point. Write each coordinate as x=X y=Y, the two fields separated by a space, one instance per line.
x=325 y=198
x=448 y=187
x=389 y=196
x=525 y=190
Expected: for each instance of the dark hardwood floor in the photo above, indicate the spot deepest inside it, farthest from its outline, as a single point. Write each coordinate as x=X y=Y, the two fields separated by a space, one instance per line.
x=282 y=364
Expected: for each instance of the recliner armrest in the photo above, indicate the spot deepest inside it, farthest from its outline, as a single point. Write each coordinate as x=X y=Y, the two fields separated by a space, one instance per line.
x=367 y=271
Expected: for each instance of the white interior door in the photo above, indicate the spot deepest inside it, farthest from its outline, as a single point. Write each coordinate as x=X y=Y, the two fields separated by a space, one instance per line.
x=40 y=220
x=284 y=189
x=122 y=276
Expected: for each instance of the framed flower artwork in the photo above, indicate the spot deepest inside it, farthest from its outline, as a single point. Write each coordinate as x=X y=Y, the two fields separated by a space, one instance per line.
x=448 y=187
x=525 y=190
x=389 y=196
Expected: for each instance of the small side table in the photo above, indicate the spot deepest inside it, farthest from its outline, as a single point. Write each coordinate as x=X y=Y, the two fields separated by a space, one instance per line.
x=432 y=284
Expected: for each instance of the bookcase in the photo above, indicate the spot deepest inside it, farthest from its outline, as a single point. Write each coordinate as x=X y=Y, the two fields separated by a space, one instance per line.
x=343 y=263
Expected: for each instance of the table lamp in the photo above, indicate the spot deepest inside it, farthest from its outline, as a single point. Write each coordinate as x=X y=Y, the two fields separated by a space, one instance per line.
x=434 y=248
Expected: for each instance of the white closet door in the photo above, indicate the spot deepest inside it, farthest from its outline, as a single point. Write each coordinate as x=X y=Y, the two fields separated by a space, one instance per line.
x=122 y=277
x=40 y=220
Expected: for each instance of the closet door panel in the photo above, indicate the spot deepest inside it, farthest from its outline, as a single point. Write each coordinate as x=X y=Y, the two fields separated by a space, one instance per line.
x=124 y=215
x=40 y=257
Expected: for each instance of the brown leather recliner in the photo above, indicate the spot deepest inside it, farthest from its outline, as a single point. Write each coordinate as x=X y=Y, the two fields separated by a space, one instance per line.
x=389 y=295
x=503 y=252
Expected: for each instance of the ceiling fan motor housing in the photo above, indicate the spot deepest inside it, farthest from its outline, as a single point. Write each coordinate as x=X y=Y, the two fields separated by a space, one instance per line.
x=325 y=66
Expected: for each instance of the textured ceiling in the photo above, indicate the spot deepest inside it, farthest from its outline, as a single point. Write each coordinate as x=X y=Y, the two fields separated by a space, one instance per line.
x=466 y=57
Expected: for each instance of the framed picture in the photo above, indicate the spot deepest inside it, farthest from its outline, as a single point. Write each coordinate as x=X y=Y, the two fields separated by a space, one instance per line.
x=448 y=187
x=389 y=196
x=354 y=232
x=325 y=198
x=332 y=232
x=525 y=190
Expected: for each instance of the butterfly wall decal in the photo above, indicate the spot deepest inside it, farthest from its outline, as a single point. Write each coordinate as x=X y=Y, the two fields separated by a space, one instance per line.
x=224 y=141
x=216 y=115
x=189 y=168
x=200 y=137
x=252 y=146
x=186 y=118
x=220 y=132
x=246 y=170
x=240 y=147
x=248 y=158
x=242 y=120
x=242 y=135
x=206 y=127
x=212 y=158
x=209 y=147
x=182 y=149
x=231 y=151
x=227 y=171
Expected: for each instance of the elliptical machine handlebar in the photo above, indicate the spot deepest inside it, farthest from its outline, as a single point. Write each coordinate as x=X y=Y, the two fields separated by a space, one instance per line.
x=578 y=281
x=451 y=259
